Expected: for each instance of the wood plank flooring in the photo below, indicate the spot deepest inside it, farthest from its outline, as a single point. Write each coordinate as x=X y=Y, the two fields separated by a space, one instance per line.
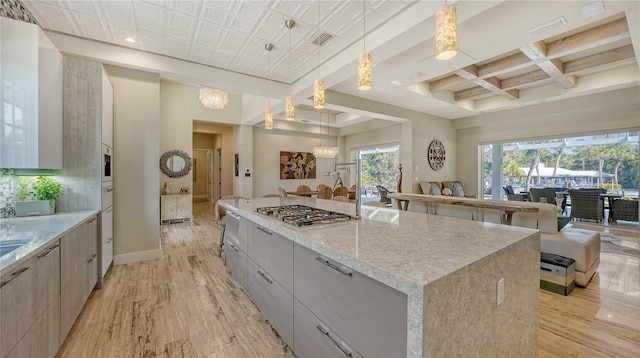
x=187 y=305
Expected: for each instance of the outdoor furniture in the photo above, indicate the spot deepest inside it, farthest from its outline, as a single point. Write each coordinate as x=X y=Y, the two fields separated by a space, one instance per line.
x=586 y=204
x=625 y=210
x=383 y=194
x=512 y=196
x=548 y=194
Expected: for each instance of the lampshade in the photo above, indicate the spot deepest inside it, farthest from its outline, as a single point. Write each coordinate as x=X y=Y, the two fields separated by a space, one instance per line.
x=213 y=98
x=321 y=151
x=268 y=119
x=446 y=33
x=318 y=94
x=365 y=70
x=290 y=109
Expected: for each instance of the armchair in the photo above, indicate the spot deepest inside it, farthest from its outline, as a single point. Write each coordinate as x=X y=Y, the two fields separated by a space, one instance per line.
x=383 y=194
x=537 y=193
x=587 y=204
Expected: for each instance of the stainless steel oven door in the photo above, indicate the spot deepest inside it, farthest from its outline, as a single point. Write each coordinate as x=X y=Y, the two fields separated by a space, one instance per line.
x=107 y=163
x=107 y=195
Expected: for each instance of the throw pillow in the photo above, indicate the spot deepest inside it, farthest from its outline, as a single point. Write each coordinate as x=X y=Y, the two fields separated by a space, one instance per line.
x=458 y=189
x=434 y=188
x=447 y=192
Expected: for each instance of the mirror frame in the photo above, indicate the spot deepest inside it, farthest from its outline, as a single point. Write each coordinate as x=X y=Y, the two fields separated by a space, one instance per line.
x=164 y=159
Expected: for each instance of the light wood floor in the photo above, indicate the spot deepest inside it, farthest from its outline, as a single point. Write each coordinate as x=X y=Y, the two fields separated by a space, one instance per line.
x=187 y=305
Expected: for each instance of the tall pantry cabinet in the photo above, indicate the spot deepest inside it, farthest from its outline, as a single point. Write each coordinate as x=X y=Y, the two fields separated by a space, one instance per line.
x=88 y=148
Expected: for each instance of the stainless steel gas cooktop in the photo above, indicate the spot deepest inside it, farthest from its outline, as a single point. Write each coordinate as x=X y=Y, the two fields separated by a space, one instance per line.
x=300 y=215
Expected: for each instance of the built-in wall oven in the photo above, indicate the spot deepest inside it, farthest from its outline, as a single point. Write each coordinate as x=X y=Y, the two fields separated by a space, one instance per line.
x=107 y=162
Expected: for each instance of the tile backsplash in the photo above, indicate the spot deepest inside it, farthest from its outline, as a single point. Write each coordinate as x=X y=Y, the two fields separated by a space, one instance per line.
x=7 y=196
x=14 y=9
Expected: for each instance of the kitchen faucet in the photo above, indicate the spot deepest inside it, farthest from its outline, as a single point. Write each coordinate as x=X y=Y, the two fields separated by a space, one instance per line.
x=358 y=164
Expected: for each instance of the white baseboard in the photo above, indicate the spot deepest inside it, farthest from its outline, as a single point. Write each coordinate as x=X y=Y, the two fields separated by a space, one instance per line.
x=200 y=196
x=137 y=256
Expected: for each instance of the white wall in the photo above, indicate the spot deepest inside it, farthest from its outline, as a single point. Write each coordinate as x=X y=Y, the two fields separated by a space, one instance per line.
x=179 y=107
x=610 y=112
x=136 y=155
x=267 y=145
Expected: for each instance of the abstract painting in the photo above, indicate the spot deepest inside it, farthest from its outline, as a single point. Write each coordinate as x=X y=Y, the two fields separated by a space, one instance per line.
x=297 y=165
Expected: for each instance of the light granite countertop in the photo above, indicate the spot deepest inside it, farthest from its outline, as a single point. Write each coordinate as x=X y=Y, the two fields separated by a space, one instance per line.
x=402 y=249
x=40 y=229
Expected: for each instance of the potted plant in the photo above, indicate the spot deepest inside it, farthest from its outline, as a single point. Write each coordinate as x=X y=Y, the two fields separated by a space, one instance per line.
x=37 y=195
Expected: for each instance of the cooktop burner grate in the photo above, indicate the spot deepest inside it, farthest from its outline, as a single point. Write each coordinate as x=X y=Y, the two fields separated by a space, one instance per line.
x=300 y=215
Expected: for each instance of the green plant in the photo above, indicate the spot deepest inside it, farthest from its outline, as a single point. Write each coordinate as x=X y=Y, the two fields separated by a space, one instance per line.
x=39 y=188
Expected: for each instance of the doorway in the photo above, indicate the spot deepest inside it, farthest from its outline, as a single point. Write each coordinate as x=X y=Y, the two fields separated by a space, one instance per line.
x=202 y=175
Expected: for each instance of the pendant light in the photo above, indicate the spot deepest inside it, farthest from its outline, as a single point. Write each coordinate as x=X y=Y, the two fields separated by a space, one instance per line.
x=446 y=32
x=290 y=106
x=268 y=114
x=365 y=61
x=318 y=85
x=213 y=98
x=321 y=151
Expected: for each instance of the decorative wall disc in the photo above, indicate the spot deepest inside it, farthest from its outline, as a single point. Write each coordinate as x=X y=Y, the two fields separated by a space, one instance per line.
x=436 y=155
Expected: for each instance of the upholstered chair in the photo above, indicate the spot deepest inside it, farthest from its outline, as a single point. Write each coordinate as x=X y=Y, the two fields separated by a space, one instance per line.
x=221 y=216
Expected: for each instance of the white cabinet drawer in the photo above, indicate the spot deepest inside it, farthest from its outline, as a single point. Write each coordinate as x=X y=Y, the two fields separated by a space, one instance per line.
x=369 y=315
x=236 y=262
x=314 y=339
x=274 y=253
x=272 y=299
x=236 y=228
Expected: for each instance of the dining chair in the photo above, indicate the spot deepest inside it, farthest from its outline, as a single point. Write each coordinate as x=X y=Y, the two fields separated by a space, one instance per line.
x=221 y=216
x=341 y=191
x=320 y=186
x=303 y=188
x=325 y=193
x=352 y=192
x=341 y=198
x=282 y=192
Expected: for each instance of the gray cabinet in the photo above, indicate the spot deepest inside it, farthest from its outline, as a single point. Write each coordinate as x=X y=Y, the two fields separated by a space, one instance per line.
x=236 y=261
x=17 y=306
x=370 y=316
x=272 y=299
x=272 y=252
x=45 y=333
x=79 y=251
x=313 y=338
x=31 y=70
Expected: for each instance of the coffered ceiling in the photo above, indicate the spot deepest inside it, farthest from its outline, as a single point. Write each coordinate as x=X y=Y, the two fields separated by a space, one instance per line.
x=511 y=53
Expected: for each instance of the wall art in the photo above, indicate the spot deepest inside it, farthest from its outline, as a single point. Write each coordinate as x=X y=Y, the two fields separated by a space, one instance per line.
x=297 y=165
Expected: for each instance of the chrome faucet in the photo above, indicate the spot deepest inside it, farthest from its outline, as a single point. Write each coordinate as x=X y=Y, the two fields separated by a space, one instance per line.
x=358 y=164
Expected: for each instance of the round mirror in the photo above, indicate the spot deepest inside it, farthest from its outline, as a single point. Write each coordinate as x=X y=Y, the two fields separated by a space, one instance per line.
x=175 y=163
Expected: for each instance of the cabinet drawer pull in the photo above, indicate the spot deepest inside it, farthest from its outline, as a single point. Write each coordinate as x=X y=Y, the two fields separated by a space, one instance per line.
x=343 y=270
x=264 y=230
x=346 y=350
x=265 y=276
x=49 y=251
x=92 y=258
x=92 y=220
x=109 y=189
x=109 y=241
x=13 y=276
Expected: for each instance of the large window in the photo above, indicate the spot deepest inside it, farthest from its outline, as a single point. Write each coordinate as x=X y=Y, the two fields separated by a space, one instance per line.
x=599 y=161
x=379 y=167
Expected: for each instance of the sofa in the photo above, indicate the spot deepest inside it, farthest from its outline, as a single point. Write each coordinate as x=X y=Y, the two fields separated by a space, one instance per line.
x=581 y=245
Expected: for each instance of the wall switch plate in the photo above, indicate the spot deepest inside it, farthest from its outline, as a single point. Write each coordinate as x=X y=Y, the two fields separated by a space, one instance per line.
x=417 y=179
x=416 y=168
x=500 y=291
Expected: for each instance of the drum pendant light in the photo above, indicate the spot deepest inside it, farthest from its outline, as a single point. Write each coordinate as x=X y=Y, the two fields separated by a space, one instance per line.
x=446 y=32
x=268 y=114
x=290 y=106
x=365 y=61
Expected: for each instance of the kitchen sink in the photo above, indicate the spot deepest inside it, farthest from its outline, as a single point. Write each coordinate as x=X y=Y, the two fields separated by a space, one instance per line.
x=6 y=246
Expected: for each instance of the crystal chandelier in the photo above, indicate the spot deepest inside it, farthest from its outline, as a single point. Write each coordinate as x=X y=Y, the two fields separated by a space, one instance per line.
x=446 y=32
x=321 y=151
x=290 y=106
x=365 y=61
x=268 y=114
x=213 y=98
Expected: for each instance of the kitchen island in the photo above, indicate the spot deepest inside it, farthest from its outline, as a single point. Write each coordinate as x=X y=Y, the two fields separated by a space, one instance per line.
x=394 y=283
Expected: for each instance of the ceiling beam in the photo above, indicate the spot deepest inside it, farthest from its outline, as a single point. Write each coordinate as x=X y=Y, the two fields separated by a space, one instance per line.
x=537 y=52
x=621 y=54
x=589 y=39
x=445 y=83
x=530 y=77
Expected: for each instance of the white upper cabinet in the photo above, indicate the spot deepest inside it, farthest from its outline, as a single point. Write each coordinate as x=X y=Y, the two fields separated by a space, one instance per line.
x=31 y=117
x=107 y=110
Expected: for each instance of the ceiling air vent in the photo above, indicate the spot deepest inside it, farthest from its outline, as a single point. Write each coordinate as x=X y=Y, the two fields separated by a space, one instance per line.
x=322 y=39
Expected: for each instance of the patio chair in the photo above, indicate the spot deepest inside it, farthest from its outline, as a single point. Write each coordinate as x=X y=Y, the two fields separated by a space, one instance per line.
x=511 y=195
x=383 y=194
x=625 y=210
x=586 y=204
x=548 y=194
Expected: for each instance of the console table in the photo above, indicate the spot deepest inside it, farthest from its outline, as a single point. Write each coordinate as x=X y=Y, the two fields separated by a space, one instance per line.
x=175 y=207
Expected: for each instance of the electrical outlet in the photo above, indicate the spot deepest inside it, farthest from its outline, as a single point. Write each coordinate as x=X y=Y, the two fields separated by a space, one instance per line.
x=500 y=291
x=417 y=179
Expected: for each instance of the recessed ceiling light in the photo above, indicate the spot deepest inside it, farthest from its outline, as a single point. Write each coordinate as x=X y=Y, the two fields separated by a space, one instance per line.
x=130 y=39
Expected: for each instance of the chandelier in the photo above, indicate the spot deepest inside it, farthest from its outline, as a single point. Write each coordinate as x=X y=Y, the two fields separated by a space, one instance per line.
x=446 y=32
x=321 y=151
x=213 y=98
